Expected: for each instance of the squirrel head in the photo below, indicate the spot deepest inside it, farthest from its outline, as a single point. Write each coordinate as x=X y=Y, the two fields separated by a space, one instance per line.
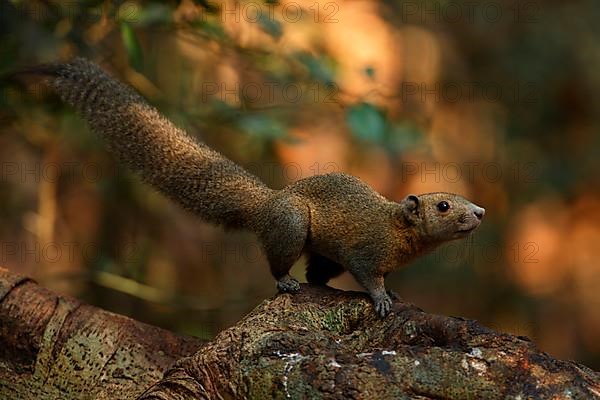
x=440 y=217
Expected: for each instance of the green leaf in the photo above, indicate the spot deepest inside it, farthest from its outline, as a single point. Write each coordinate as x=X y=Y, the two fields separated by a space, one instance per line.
x=156 y=13
x=224 y=110
x=366 y=122
x=370 y=72
x=132 y=46
x=270 y=25
x=321 y=69
x=263 y=126
x=405 y=136
x=211 y=28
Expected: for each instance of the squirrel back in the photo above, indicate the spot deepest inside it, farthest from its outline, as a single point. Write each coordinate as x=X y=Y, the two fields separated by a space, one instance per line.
x=200 y=179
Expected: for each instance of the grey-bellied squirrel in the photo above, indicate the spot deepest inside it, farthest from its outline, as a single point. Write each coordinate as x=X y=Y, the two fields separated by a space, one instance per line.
x=336 y=219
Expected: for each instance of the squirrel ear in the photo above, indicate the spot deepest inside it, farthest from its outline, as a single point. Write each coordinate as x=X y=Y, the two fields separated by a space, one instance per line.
x=410 y=208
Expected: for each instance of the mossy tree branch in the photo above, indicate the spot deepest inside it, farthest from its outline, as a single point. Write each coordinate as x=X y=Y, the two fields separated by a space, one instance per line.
x=320 y=343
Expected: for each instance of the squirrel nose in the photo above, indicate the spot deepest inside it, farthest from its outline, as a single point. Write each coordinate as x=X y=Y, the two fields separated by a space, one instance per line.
x=479 y=212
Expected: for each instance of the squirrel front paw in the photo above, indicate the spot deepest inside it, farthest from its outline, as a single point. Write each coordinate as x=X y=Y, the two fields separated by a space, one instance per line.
x=287 y=284
x=383 y=305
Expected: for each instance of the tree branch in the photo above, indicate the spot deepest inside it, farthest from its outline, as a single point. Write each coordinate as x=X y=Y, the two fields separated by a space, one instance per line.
x=319 y=343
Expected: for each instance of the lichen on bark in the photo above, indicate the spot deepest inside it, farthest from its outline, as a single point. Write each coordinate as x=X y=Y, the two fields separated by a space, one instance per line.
x=325 y=343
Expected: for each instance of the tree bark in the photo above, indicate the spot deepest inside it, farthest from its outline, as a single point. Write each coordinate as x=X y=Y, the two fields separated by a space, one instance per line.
x=319 y=343
x=54 y=347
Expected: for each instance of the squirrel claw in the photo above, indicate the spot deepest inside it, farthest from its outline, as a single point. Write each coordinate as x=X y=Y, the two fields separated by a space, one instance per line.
x=383 y=306
x=394 y=296
x=287 y=284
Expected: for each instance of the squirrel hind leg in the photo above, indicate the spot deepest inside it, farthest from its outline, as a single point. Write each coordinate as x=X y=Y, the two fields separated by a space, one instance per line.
x=321 y=269
x=284 y=236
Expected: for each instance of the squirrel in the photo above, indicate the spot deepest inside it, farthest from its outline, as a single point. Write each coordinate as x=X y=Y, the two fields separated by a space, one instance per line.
x=339 y=221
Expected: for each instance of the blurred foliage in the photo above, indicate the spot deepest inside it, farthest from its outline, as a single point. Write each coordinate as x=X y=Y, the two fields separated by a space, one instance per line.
x=493 y=100
x=367 y=122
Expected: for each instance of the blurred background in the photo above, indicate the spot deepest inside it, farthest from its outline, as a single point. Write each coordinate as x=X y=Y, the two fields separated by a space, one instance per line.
x=495 y=100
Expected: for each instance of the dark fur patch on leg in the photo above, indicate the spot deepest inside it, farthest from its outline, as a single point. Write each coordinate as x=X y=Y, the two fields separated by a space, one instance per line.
x=321 y=269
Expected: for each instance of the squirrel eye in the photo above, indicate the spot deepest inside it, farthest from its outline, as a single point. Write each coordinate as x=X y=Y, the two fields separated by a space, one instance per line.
x=443 y=206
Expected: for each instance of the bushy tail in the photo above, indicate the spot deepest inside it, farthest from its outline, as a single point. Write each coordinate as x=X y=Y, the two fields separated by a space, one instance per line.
x=195 y=176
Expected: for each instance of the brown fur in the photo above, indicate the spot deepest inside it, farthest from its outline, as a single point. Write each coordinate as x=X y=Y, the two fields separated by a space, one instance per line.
x=341 y=222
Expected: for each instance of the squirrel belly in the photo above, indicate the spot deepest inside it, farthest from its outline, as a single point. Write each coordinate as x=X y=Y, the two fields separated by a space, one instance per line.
x=338 y=220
